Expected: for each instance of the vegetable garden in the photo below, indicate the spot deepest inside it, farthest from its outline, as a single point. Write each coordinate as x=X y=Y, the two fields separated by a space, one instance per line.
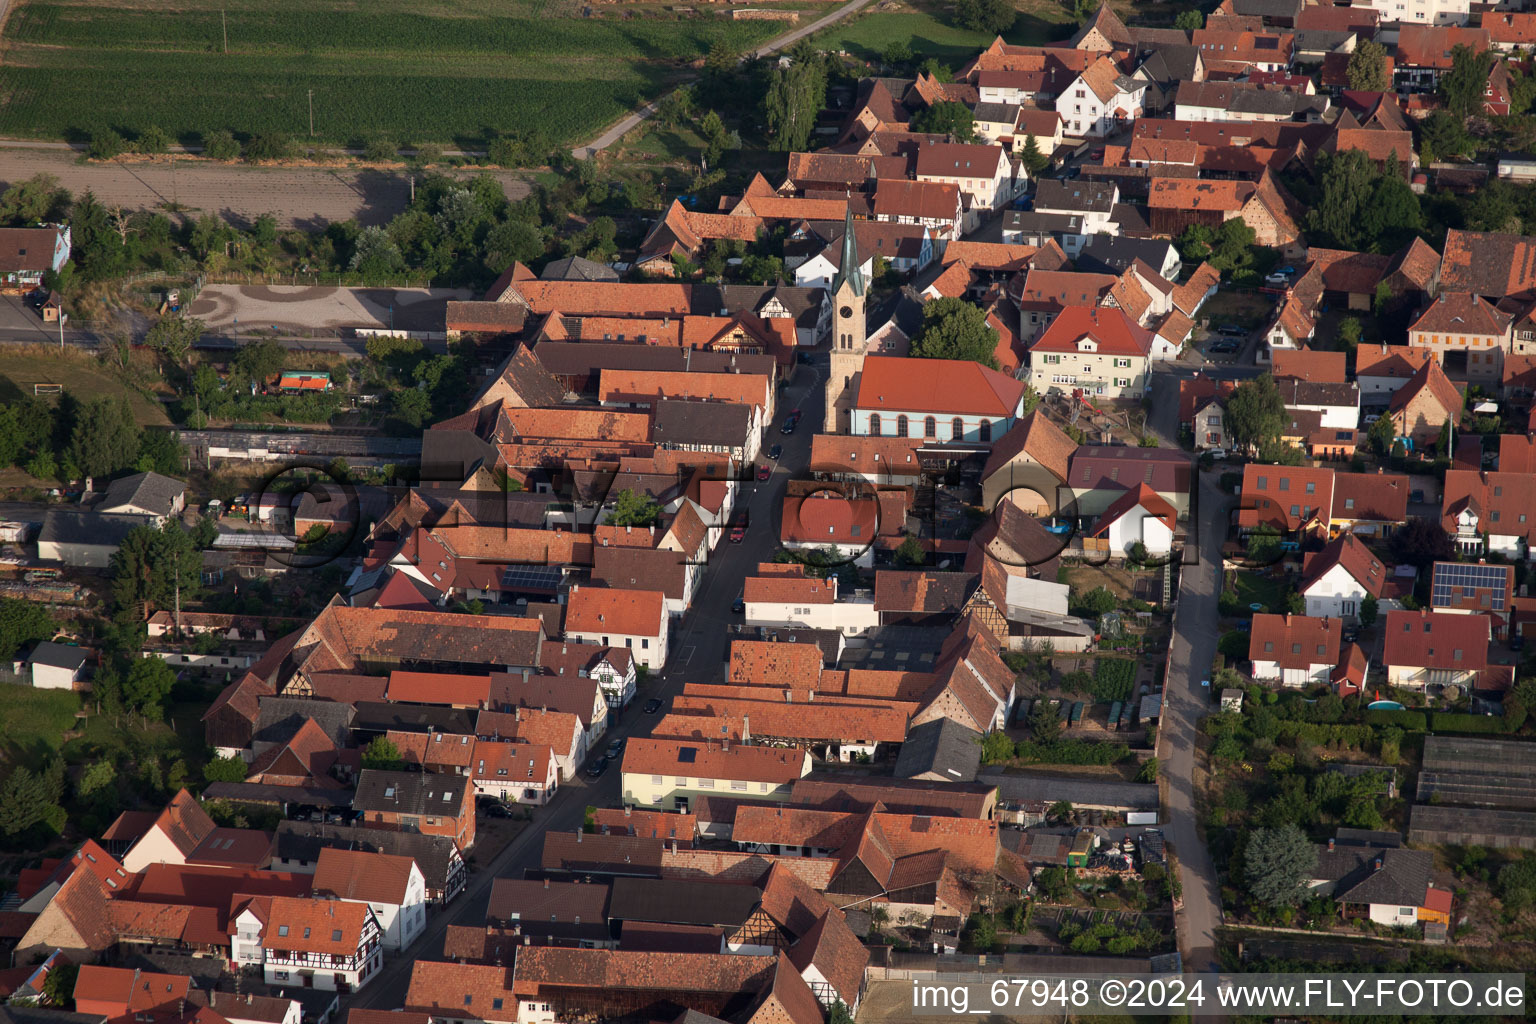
x=458 y=73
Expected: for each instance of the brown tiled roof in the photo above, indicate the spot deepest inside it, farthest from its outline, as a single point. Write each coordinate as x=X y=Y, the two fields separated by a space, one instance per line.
x=836 y=953
x=1448 y=641
x=639 y=385
x=470 y=691
x=1430 y=46
x=315 y=926
x=1295 y=641
x=1399 y=361
x=1488 y=264
x=241 y=696
x=343 y=638
x=604 y=610
x=635 y=821
x=28 y=249
x=368 y=877
x=1036 y=436
x=1462 y=313
x=1502 y=501
x=869 y=456
x=1270 y=492
x=523 y=379
x=613 y=970
x=463 y=990
x=926 y=592
x=787 y=997
x=1188 y=296
x=540 y=901
x=1432 y=379
x=184 y=822
x=767 y=663
x=1382 y=497
x=132 y=991
x=575 y=852
x=559 y=731
x=789 y=590
x=922 y=200
x=698 y=717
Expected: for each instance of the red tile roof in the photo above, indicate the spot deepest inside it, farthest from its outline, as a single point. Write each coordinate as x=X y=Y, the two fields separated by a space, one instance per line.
x=1430 y=46
x=1140 y=496
x=1392 y=361
x=471 y=990
x=1488 y=263
x=949 y=386
x=1430 y=379
x=117 y=991
x=363 y=876
x=1295 y=641
x=1307 y=364
x=768 y=663
x=1447 y=641
x=1285 y=496
x=469 y=691
x=1503 y=502
x=315 y=926
x=619 y=612
x=789 y=590
x=1110 y=330
x=1462 y=313
x=776 y=766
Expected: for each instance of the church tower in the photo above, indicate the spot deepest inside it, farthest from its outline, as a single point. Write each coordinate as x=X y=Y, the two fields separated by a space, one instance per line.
x=847 y=336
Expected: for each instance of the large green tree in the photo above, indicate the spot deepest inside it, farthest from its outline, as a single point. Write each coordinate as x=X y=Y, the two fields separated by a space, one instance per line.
x=955 y=329
x=631 y=508
x=795 y=96
x=1034 y=161
x=1277 y=863
x=1367 y=68
x=37 y=199
x=147 y=685
x=105 y=437
x=1463 y=85
x=947 y=118
x=993 y=17
x=1360 y=208
x=22 y=623
x=152 y=566
x=1255 y=412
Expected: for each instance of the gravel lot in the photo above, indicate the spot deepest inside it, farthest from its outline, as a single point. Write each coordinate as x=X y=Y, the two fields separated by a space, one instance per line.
x=307 y=197
x=260 y=307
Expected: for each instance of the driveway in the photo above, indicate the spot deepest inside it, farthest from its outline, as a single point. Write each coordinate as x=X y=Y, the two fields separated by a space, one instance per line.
x=1185 y=703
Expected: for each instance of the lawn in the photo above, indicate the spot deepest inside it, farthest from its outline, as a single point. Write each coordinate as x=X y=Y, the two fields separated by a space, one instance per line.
x=1257 y=587
x=455 y=71
x=33 y=722
x=83 y=378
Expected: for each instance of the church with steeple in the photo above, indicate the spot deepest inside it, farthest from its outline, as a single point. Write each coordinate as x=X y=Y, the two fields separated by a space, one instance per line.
x=848 y=335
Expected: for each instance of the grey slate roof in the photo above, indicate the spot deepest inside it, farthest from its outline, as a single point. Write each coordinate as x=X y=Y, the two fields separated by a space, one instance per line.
x=682 y=901
x=1137 y=796
x=577 y=268
x=1173 y=62
x=92 y=529
x=943 y=747
x=409 y=792
x=903 y=307
x=58 y=656
x=1032 y=222
x=303 y=840
x=280 y=717
x=382 y=716
x=1400 y=879
x=1114 y=254
x=1073 y=196
x=680 y=422
x=149 y=491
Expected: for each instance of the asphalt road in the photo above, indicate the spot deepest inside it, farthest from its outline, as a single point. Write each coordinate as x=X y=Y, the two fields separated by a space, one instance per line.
x=698 y=652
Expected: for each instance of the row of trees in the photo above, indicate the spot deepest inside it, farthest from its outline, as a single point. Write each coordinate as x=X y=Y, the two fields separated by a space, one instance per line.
x=75 y=439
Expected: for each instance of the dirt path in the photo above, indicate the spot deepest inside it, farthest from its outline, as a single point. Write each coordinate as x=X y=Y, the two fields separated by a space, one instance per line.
x=775 y=45
x=306 y=197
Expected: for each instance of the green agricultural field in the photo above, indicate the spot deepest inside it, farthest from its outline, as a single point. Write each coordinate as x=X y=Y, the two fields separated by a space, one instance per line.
x=932 y=32
x=452 y=72
x=83 y=379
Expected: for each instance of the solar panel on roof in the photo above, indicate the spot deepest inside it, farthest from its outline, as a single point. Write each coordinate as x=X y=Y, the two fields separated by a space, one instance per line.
x=530 y=577
x=1452 y=580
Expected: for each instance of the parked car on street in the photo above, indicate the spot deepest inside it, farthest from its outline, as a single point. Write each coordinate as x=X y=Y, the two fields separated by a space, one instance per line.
x=652 y=706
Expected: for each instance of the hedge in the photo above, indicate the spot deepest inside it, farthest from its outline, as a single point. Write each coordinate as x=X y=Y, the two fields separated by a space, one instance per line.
x=1072 y=752
x=1408 y=721
x=1444 y=721
x=1317 y=732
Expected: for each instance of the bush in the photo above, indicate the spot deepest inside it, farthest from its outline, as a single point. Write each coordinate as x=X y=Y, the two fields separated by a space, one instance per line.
x=379 y=151
x=1072 y=752
x=1442 y=721
x=429 y=153
x=1408 y=721
x=220 y=145
x=269 y=146
x=504 y=152
x=1096 y=602
x=1233 y=645
x=106 y=144
x=152 y=140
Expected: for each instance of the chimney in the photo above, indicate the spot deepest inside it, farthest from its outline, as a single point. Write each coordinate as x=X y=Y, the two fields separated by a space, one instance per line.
x=674 y=846
x=546 y=881
x=527 y=940
x=517 y=713
x=1378 y=862
x=627 y=809
x=1330 y=844
x=525 y=676
x=746 y=728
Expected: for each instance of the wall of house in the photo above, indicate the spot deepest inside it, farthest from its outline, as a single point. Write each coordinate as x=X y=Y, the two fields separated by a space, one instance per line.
x=1485 y=353
x=154 y=847
x=850 y=617
x=52 y=677
x=664 y=791
x=650 y=651
x=1100 y=374
x=1393 y=915
x=866 y=422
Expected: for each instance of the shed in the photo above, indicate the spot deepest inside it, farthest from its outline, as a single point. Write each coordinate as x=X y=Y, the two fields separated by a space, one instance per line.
x=942 y=750
x=56 y=666
x=1232 y=699
x=82 y=539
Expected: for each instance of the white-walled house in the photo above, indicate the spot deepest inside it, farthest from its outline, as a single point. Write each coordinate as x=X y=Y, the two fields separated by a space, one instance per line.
x=1101 y=100
x=792 y=599
x=982 y=172
x=55 y=666
x=332 y=945
x=1336 y=580
x=943 y=399
x=1293 y=650
x=179 y=829
x=392 y=887
x=1139 y=516
x=635 y=620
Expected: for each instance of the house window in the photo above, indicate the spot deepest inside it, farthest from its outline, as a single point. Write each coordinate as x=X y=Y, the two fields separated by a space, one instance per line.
x=740 y=787
x=956 y=429
x=985 y=431
x=930 y=427
x=901 y=426
x=874 y=424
